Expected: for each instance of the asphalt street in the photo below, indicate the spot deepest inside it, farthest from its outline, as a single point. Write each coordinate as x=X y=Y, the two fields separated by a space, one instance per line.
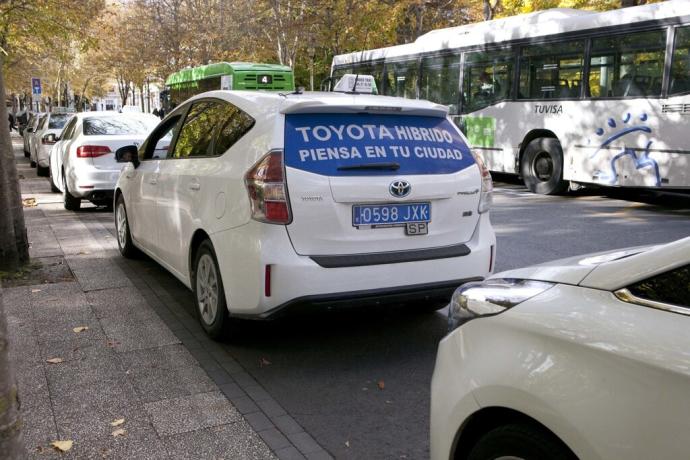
x=358 y=381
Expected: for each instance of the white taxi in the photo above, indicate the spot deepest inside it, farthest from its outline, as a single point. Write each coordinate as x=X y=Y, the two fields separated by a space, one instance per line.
x=261 y=202
x=585 y=357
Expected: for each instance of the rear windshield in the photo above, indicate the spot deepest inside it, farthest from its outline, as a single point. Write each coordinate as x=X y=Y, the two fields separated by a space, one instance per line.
x=116 y=126
x=57 y=121
x=373 y=145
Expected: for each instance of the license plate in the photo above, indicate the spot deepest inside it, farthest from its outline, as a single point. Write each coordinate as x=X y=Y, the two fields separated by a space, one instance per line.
x=390 y=214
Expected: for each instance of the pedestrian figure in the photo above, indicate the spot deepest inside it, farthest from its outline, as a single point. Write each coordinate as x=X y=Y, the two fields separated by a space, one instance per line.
x=155 y=112
x=162 y=113
x=11 y=119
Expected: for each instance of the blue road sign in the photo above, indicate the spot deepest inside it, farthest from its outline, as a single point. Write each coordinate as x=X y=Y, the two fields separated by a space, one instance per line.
x=36 y=85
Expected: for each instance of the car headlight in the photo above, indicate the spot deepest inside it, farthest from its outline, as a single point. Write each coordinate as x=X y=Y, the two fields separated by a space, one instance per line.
x=491 y=297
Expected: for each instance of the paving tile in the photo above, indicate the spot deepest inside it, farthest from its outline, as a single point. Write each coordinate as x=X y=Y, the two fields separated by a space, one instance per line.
x=132 y=333
x=289 y=453
x=219 y=376
x=97 y=273
x=82 y=424
x=156 y=383
x=274 y=438
x=319 y=455
x=234 y=441
x=271 y=407
x=38 y=428
x=119 y=302
x=189 y=413
x=258 y=421
x=165 y=357
x=92 y=363
x=304 y=442
x=244 y=404
x=256 y=393
x=113 y=393
x=232 y=390
x=286 y=424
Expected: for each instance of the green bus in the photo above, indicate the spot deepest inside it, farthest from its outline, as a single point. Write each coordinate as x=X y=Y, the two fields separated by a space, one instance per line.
x=225 y=75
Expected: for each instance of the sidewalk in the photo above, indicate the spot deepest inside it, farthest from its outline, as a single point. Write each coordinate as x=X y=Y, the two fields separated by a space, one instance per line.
x=122 y=348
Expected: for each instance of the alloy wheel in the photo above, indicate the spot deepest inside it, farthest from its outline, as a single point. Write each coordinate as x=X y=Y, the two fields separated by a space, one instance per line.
x=207 y=289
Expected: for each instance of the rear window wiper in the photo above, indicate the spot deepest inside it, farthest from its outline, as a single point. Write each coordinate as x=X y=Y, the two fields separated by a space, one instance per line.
x=384 y=166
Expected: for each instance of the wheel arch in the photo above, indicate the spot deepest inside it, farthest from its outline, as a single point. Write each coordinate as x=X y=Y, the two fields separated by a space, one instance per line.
x=198 y=237
x=485 y=420
x=529 y=137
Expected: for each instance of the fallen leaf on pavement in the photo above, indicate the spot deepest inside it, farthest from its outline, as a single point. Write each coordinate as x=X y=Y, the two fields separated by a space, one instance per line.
x=35 y=290
x=29 y=202
x=118 y=422
x=62 y=446
x=264 y=362
x=347 y=444
x=55 y=360
x=381 y=384
x=119 y=432
x=80 y=329
x=82 y=252
x=112 y=343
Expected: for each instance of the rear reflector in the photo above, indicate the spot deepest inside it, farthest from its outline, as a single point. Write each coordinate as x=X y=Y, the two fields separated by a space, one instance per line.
x=92 y=151
x=267 y=281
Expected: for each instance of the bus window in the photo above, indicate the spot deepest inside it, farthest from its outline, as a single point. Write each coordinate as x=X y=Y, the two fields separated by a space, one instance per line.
x=627 y=65
x=401 y=79
x=488 y=78
x=680 y=69
x=440 y=81
x=375 y=70
x=339 y=72
x=551 y=70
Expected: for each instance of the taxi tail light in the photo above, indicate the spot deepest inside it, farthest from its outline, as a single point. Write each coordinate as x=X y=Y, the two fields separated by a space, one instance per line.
x=486 y=195
x=92 y=151
x=267 y=190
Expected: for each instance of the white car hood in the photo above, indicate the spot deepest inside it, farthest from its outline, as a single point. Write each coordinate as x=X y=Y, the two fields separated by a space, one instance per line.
x=571 y=270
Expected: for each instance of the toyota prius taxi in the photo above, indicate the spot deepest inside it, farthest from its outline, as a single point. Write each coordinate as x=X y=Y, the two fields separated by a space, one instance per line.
x=263 y=202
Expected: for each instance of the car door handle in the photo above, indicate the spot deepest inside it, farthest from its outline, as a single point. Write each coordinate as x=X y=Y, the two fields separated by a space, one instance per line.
x=195 y=186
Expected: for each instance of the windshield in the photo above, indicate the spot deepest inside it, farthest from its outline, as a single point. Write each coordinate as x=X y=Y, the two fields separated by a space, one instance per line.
x=58 y=121
x=117 y=126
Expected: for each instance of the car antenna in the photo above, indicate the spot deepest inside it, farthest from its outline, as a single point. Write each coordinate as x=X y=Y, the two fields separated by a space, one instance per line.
x=354 y=86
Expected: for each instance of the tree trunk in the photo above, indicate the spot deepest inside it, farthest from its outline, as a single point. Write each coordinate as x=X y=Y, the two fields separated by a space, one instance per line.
x=11 y=443
x=14 y=244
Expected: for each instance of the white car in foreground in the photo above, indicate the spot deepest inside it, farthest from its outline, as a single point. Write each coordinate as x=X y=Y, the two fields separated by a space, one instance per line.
x=82 y=161
x=586 y=357
x=261 y=202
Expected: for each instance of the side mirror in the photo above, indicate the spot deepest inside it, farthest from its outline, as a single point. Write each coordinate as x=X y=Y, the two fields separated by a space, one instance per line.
x=128 y=154
x=50 y=138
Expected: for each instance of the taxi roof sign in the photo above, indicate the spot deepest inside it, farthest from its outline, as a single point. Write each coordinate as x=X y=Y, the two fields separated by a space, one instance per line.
x=351 y=83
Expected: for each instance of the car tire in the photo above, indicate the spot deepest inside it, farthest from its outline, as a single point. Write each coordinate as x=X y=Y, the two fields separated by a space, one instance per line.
x=33 y=164
x=53 y=187
x=71 y=203
x=542 y=167
x=124 y=237
x=523 y=441
x=209 y=296
x=41 y=171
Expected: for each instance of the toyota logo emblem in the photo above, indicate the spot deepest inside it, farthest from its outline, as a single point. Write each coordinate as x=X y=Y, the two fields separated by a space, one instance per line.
x=400 y=188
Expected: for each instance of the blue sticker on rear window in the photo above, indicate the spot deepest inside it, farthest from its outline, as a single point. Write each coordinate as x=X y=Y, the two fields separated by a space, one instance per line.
x=365 y=144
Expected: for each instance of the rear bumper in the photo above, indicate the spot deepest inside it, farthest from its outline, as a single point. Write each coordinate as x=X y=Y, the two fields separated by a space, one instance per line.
x=429 y=294
x=298 y=282
x=84 y=180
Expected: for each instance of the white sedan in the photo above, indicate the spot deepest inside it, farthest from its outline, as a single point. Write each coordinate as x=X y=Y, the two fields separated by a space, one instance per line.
x=587 y=357
x=262 y=202
x=50 y=123
x=82 y=160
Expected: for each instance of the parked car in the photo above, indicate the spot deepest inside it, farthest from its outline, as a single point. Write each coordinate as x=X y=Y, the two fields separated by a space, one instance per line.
x=82 y=161
x=262 y=202
x=31 y=126
x=585 y=357
x=51 y=123
x=34 y=140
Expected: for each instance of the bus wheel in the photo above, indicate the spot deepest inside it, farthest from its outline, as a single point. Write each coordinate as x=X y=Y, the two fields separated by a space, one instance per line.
x=542 y=166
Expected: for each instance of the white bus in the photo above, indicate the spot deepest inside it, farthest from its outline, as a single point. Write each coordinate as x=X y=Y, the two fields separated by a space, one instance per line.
x=560 y=96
